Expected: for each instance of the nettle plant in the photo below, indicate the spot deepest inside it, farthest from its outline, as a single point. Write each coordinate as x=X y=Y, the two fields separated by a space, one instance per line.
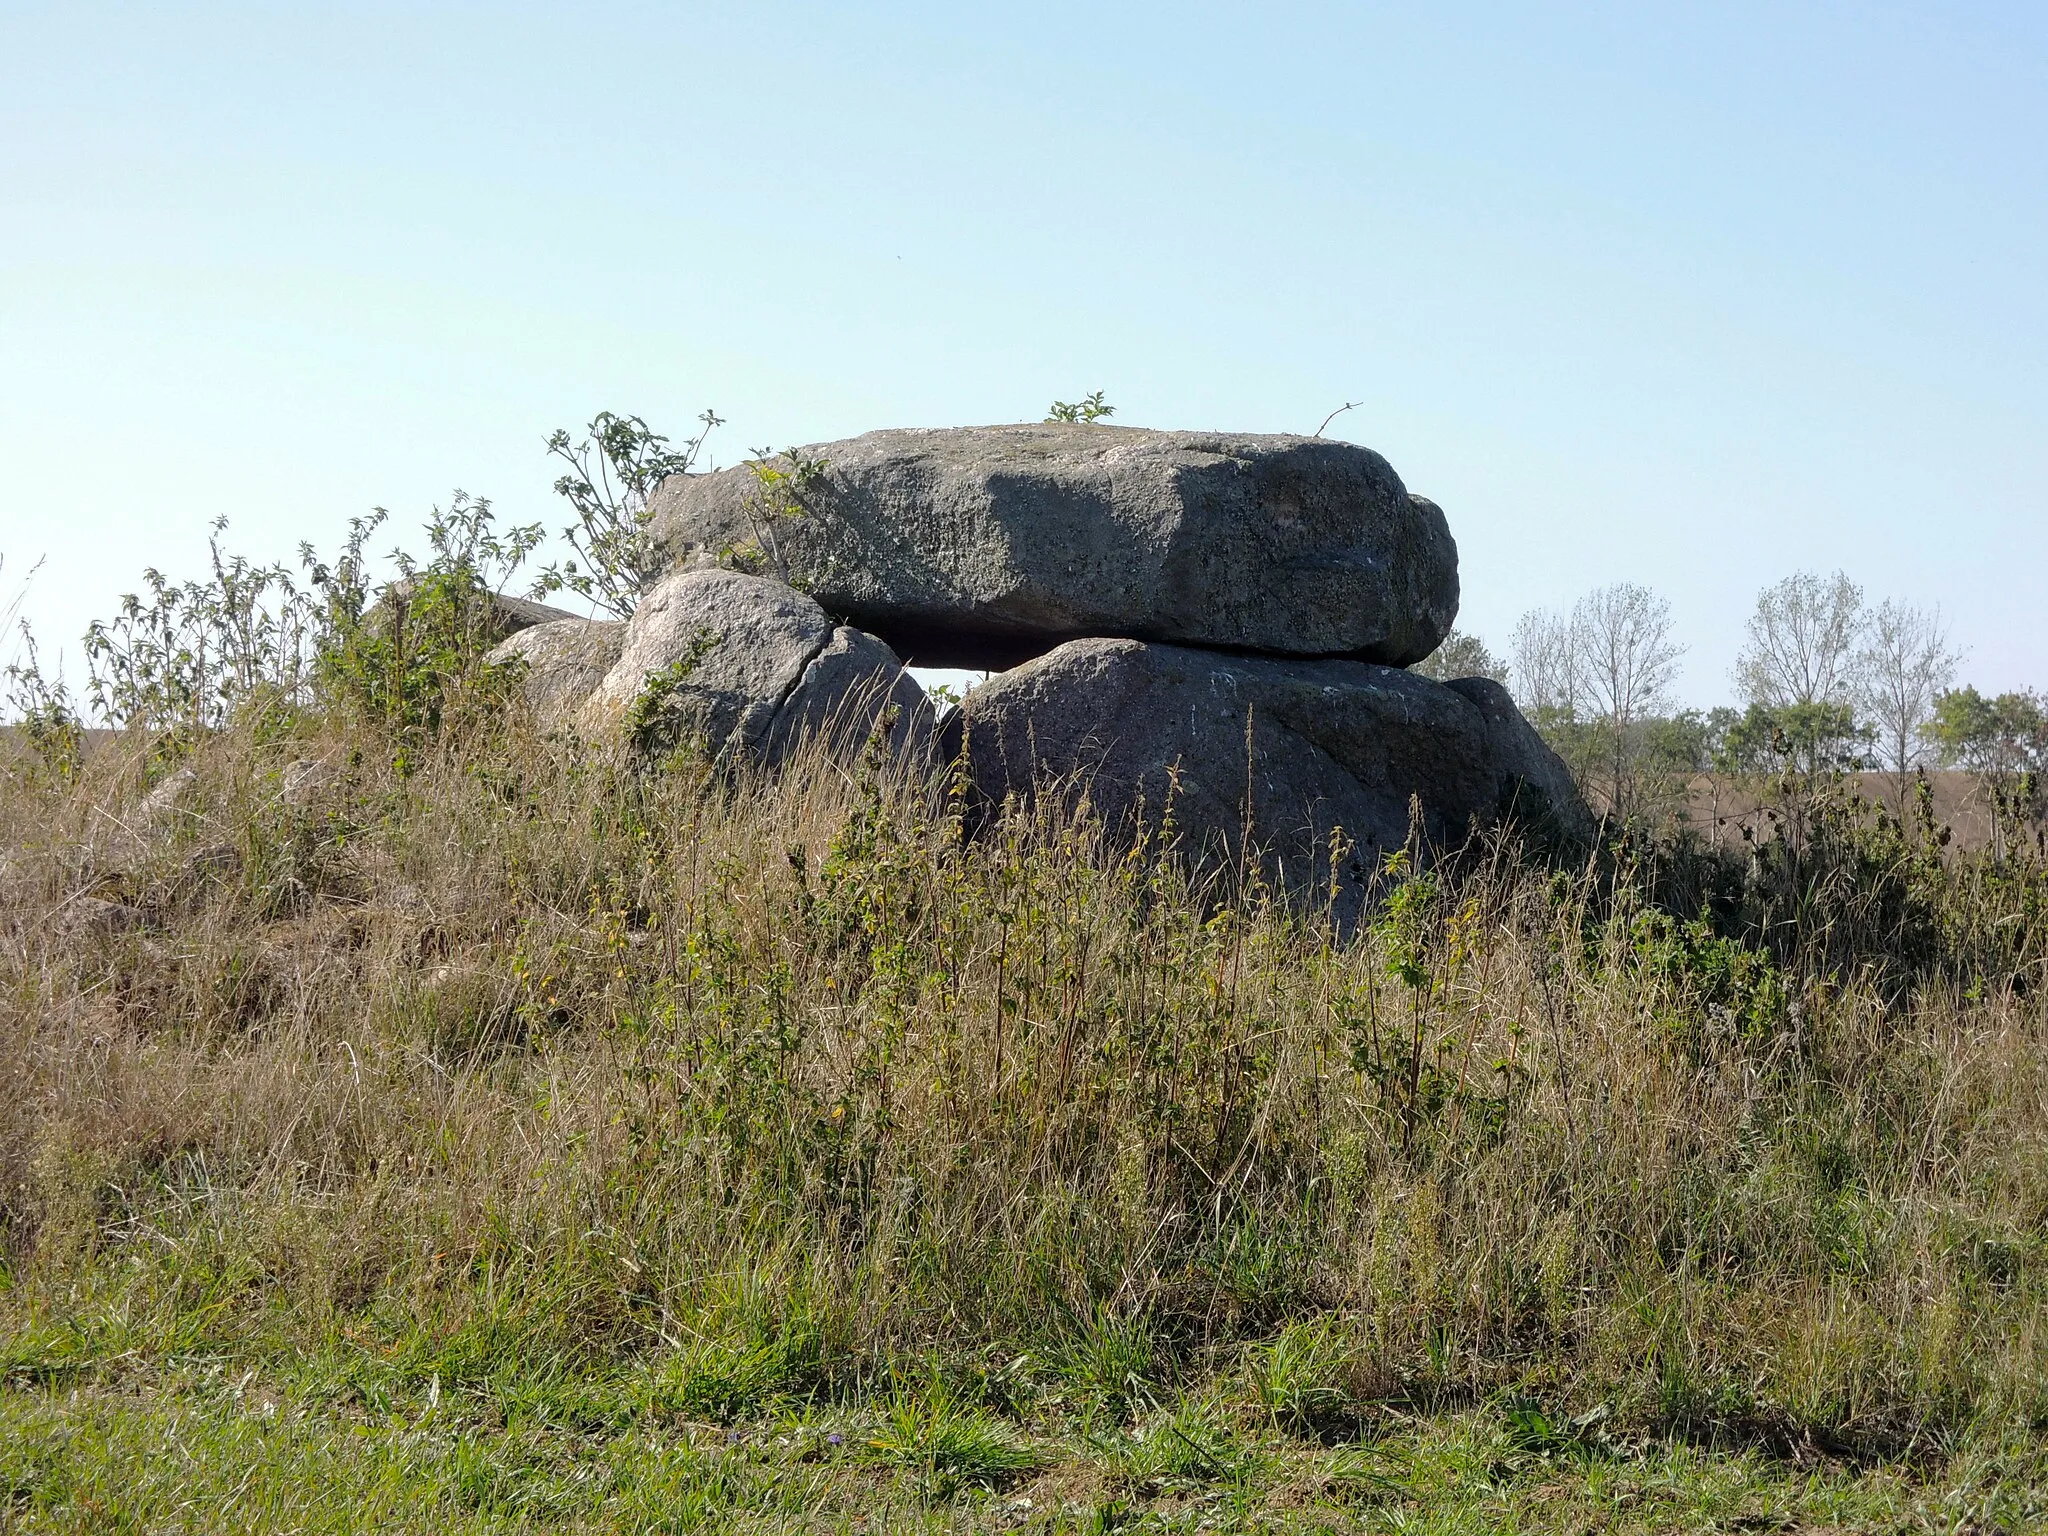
x=248 y=644
x=414 y=658
x=181 y=658
x=41 y=710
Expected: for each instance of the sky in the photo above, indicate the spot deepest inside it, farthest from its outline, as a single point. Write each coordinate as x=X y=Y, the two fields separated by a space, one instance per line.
x=1689 y=296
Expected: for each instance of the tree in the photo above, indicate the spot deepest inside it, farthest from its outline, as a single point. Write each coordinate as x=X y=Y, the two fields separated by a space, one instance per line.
x=1461 y=655
x=1551 y=691
x=1801 y=641
x=1546 y=669
x=2004 y=741
x=1592 y=681
x=613 y=473
x=1903 y=665
x=1996 y=738
x=1623 y=634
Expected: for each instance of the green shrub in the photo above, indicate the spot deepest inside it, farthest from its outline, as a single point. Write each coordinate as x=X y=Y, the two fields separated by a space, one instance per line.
x=412 y=661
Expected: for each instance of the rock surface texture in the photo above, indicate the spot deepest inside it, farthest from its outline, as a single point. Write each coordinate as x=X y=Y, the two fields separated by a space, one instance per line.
x=508 y=615
x=750 y=668
x=982 y=546
x=565 y=660
x=1306 y=746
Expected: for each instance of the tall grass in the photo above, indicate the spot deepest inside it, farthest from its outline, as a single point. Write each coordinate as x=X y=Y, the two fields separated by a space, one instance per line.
x=500 y=1059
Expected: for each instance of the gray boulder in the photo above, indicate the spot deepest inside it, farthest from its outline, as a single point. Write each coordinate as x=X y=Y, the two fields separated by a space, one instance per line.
x=507 y=615
x=981 y=546
x=751 y=668
x=565 y=660
x=1295 y=749
x=517 y=613
x=122 y=840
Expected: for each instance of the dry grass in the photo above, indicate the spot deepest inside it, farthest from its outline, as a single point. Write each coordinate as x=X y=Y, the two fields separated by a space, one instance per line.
x=518 y=1066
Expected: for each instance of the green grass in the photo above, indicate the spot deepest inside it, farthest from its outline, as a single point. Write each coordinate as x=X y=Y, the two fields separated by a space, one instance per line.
x=214 y=1446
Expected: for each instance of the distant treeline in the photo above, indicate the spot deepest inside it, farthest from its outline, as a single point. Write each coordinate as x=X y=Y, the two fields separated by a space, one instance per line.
x=1825 y=684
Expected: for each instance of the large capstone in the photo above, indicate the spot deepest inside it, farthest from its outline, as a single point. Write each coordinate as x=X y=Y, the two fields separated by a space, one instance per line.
x=1306 y=755
x=982 y=546
x=747 y=668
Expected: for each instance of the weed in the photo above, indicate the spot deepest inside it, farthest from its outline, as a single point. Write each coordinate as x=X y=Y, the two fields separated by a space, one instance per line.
x=1300 y=1377
x=786 y=489
x=613 y=475
x=660 y=720
x=1106 y=1361
x=1085 y=411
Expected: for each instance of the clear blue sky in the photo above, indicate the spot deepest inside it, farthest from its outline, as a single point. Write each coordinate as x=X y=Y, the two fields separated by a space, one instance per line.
x=1689 y=295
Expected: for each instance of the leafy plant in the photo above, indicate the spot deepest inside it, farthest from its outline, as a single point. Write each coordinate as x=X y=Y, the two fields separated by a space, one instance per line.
x=1107 y=1361
x=181 y=657
x=414 y=658
x=1406 y=932
x=785 y=487
x=1086 y=411
x=658 y=721
x=1536 y=1431
x=613 y=473
x=727 y=1379
x=946 y=1442
x=1299 y=1376
x=42 y=711
x=1187 y=1447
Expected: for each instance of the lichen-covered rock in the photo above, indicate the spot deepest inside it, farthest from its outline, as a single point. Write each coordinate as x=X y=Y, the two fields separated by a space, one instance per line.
x=122 y=839
x=750 y=668
x=981 y=546
x=1297 y=750
x=306 y=779
x=565 y=660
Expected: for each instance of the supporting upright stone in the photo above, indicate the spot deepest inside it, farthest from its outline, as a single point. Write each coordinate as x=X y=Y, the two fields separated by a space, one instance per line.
x=1291 y=751
x=750 y=668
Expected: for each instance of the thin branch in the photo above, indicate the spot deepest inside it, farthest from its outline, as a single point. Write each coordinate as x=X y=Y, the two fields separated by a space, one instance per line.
x=1348 y=405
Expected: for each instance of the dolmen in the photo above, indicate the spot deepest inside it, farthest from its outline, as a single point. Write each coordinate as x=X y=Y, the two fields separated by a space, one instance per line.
x=1208 y=627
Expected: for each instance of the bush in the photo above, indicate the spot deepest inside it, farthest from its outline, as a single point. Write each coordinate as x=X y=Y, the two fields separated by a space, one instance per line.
x=414 y=659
